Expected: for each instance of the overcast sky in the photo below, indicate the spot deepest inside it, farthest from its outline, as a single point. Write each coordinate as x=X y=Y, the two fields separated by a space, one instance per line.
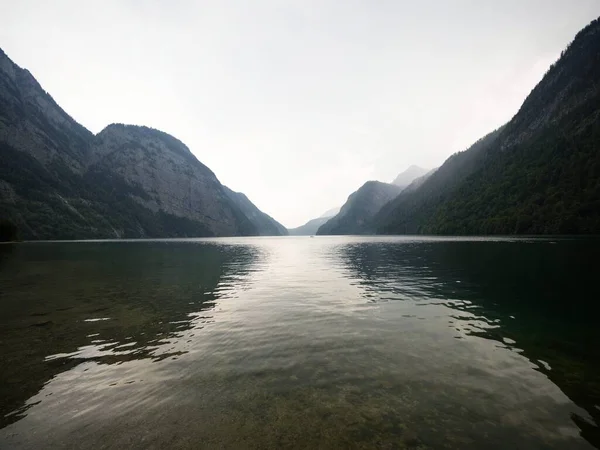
x=295 y=103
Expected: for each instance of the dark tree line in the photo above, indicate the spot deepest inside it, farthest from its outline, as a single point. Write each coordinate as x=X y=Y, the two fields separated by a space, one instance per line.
x=8 y=231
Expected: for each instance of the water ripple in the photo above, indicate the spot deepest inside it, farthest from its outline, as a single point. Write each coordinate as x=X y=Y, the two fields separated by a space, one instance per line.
x=331 y=342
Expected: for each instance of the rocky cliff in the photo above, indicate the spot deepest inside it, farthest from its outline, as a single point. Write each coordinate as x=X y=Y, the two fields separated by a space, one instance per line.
x=58 y=180
x=32 y=122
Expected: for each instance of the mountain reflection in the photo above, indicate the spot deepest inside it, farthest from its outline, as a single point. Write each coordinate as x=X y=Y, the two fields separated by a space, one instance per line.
x=535 y=297
x=107 y=302
x=344 y=342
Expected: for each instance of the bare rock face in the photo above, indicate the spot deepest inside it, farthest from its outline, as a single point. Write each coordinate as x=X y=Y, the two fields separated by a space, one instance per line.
x=32 y=122
x=168 y=177
x=58 y=180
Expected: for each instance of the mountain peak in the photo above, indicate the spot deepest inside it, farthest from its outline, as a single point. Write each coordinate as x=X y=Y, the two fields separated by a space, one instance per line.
x=137 y=130
x=119 y=133
x=535 y=175
x=409 y=175
x=360 y=207
x=126 y=181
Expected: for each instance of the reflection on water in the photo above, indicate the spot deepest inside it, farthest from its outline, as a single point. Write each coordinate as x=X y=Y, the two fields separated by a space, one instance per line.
x=292 y=342
x=536 y=297
x=63 y=304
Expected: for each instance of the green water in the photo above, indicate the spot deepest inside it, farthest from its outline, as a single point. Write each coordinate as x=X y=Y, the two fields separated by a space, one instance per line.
x=340 y=342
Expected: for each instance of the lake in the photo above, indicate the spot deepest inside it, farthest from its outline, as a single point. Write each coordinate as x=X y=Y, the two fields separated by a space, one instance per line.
x=298 y=342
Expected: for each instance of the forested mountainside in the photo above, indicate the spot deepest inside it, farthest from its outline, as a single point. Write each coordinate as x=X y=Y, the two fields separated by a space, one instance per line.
x=416 y=204
x=360 y=208
x=60 y=181
x=538 y=174
x=358 y=211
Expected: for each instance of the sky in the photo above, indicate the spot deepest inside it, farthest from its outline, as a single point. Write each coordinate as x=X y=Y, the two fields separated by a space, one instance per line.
x=296 y=103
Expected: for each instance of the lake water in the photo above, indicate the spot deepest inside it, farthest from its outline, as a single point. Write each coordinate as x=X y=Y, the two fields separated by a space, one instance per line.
x=298 y=342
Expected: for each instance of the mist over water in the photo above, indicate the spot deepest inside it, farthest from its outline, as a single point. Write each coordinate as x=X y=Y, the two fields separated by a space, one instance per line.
x=331 y=342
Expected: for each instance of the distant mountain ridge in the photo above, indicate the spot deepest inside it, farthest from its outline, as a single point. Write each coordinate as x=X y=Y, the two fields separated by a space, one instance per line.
x=58 y=180
x=264 y=224
x=330 y=212
x=309 y=228
x=538 y=174
x=355 y=216
x=409 y=175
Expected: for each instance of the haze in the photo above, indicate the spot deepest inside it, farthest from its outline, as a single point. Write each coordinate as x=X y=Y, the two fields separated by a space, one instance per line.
x=296 y=104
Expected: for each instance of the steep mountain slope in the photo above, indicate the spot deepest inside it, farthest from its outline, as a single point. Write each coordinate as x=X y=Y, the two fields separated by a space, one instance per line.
x=539 y=174
x=32 y=122
x=413 y=207
x=372 y=196
x=59 y=181
x=265 y=225
x=409 y=175
x=160 y=173
x=356 y=214
x=417 y=182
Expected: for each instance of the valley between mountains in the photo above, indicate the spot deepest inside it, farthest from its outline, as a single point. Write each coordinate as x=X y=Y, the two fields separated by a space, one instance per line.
x=537 y=174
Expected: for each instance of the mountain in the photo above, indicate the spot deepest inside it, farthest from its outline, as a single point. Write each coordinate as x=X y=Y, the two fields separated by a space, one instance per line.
x=264 y=224
x=415 y=205
x=330 y=212
x=309 y=228
x=538 y=174
x=417 y=182
x=159 y=172
x=60 y=181
x=356 y=214
x=409 y=175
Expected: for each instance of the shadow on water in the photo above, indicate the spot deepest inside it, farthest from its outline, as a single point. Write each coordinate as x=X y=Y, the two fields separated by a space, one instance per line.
x=285 y=343
x=538 y=298
x=63 y=303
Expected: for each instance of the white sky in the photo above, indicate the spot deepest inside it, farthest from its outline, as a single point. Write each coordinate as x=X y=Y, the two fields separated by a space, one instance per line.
x=295 y=103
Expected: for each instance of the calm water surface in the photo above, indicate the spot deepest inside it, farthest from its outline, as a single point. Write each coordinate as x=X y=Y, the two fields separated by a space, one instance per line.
x=300 y=343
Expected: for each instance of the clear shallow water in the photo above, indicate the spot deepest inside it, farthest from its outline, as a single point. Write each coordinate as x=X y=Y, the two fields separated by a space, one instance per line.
x=296 y=342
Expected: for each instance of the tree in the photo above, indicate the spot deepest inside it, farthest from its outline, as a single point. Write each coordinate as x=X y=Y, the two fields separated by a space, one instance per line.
x=8 y=231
